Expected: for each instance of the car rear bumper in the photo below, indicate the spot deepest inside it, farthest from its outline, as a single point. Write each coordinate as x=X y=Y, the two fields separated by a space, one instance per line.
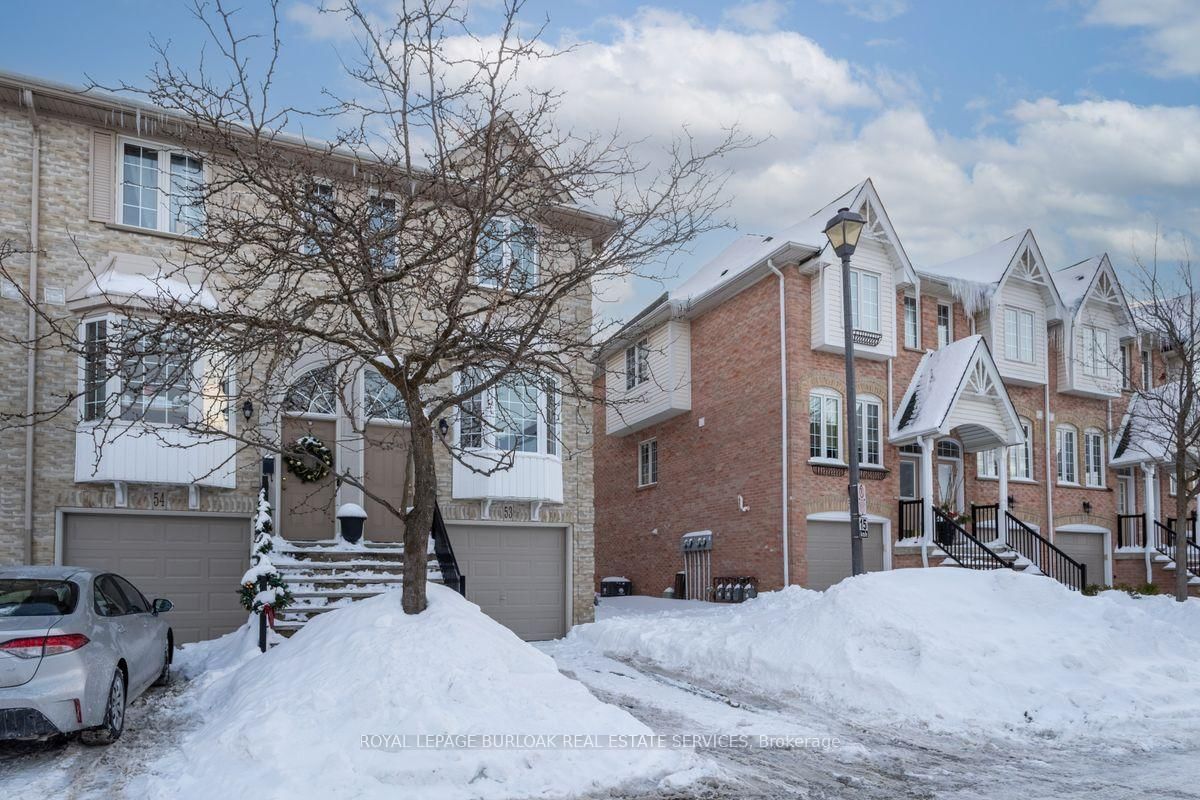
x=25 y=723
x=52 y=694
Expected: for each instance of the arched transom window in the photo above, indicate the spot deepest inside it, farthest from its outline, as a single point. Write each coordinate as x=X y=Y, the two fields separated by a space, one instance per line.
x=314 y=392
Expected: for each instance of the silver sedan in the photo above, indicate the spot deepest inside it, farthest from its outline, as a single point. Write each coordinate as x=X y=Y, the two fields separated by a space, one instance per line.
x=75 y=647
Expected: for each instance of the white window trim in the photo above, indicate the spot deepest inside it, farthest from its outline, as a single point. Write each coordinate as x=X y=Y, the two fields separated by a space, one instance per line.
x=1098 y=436
x=916 y=328
x=1018 y=315
x=937 y=325
x=488 y=434
x=916 y=467
x=1058 y=454
x=839 y=460
x=1095 y=360
x=506 y=253
x=165 y=151
x=640 y=350
x=642 y=448
x=856 y=305
x=871 y=400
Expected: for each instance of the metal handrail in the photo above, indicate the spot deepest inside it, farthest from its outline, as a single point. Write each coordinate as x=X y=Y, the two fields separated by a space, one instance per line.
x=965 y=549
x=1131 y=530
x=983 y=514
x=1164 y=542
x=1044 y=555
x=447 y=563
x=912 y=511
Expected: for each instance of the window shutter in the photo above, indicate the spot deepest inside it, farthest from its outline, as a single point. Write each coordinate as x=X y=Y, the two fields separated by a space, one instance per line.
x=100 y=205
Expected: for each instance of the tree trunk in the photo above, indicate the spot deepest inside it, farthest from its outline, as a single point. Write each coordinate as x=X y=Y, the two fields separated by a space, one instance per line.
x=1181 y=531
x=419 y=521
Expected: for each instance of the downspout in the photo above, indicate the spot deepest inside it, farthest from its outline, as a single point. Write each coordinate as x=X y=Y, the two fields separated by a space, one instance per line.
x=31 y=324
x=1051 y=476
x=783 y=407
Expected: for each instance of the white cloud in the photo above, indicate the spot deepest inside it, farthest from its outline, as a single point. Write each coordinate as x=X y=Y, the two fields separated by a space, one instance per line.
x=317 y=24
x=760 y=15
x=874 y=10
x=1170 y=30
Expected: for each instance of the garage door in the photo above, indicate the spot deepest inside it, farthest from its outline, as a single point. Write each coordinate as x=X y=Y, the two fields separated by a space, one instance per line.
x=1086 y=548
x=194 y=561
x=829 y=552
x=517 y=575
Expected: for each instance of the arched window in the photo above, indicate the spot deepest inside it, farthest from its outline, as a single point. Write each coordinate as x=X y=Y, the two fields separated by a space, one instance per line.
x=1020 y=456
x=382 y=400
x=314 y=392
x=870 y=431
x=825 y=425
x=1066 y=439
x=948 y=448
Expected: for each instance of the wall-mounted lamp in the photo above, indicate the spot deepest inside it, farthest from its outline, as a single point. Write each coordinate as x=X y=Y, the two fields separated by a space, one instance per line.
x=247 y=410
x=1087 y=507
x=1012 y=501
x=443 y=426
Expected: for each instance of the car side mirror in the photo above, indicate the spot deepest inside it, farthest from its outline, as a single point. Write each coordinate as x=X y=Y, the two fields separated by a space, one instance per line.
x=162 y=605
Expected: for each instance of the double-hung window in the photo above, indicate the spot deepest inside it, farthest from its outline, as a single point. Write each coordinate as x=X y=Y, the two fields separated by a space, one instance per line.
x=1093 y=458
x=1147 y=371
x=911 y=321
x=471 y=412
x=648 y=462
x=1020 y=456
x=945 y=330
x=507 y=255
x=1095 y=351
x=864 y=300
x=870 y=450
x=1126 y=369
x=95 y=369
x=987 y=464
x=318 y=207
x=1018 y=335
x=155 y=379
x=162 y=189
x=824 y=427
x=520 y=414
x=1068 y=459
x=637 y=364
x=383 y=240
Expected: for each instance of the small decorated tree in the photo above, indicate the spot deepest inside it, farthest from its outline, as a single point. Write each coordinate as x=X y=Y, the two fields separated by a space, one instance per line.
x=263 y=589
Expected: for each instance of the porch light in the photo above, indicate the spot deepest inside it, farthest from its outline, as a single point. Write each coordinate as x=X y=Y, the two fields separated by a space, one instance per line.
x=247 y=410
x=443 y=426
x=1087 y=506
x=843 y=232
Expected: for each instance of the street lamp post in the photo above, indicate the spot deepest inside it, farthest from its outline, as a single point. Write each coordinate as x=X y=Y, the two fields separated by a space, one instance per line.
x=843 y=232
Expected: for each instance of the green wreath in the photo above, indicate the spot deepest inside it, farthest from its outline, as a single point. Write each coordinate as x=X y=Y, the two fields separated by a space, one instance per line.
x=313 y=461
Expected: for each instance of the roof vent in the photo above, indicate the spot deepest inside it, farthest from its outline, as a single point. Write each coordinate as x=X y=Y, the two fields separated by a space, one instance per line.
x=724 y=272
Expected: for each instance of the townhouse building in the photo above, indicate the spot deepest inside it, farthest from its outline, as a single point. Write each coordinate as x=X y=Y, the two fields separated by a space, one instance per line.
x=86 y=185
x=990 y=393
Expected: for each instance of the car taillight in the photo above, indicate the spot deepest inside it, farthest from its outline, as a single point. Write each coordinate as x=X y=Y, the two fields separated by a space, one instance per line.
x=38 y=646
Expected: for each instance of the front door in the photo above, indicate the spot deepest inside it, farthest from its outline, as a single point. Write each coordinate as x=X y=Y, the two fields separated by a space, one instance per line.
x=948 y=484
x=385 y=472
x=307 y=509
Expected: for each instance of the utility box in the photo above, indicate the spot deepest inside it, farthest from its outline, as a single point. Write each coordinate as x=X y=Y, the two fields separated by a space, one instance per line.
x=616 y=587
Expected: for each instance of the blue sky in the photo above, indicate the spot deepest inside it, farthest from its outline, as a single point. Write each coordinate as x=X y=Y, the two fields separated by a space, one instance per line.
x=1077 y=118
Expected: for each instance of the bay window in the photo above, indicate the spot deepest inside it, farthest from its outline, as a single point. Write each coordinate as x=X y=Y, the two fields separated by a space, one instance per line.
x=637 y=364
x=155 y=375
x=520 y=414
x=824 y=427
x=95 y=369
x=161 y=189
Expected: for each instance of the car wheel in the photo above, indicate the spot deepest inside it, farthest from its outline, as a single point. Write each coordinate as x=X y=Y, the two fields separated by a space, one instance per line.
x=114 y=715
x=164 y=677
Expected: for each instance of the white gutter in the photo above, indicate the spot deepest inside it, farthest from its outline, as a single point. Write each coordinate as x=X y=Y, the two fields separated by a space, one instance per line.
x=783 y=407
x=1051 y=475
x=31 y=324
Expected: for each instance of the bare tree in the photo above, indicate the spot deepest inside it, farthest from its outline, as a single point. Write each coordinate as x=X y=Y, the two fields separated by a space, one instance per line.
x=1164 y=417
x=441 y=237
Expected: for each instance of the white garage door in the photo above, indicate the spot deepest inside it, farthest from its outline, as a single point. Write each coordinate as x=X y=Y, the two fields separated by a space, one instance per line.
x=195 y=561
x=1086 y=548
x=516 y=574
x=829 y=552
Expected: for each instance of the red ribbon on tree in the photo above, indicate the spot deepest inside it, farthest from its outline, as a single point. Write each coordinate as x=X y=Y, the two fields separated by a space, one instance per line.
x=270 y=612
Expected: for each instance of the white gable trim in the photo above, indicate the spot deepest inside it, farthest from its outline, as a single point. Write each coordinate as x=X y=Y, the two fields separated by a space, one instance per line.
x=1056 y=309
x=868 y=194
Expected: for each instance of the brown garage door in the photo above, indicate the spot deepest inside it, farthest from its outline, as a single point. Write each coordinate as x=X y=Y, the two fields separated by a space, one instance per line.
x=516 y=574
x=193 y=560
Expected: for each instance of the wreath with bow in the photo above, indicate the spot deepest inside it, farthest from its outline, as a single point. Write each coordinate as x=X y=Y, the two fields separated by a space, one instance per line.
x=310 y=459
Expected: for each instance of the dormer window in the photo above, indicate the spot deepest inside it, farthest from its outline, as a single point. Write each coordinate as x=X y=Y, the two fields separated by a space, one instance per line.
x=864 y=300
x=1095 y=351
x=1018 y=335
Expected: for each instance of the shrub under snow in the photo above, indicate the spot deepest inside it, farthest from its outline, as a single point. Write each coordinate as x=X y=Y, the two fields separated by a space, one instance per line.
x=290 y=723
x=988 y=652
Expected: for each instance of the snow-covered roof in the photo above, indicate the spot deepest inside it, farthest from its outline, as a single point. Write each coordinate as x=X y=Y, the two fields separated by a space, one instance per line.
x=986 y=266
x=1145 y=435
x=123 y=277
x=1074 y=281
x=975 y=278
x=938 y=384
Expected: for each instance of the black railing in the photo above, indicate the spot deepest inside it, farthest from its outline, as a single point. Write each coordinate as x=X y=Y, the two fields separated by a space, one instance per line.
x=912 y=519
x=1131 y=530
x=1042 y=553
x=984 y=521
x=1164 y=542
x=447 y=563
x=963 y=548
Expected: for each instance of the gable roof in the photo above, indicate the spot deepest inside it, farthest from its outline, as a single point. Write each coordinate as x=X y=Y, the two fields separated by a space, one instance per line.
x=1145 y=433
x=806 y=236
x=975 y=277
x=1077 y=281
x=939 y=383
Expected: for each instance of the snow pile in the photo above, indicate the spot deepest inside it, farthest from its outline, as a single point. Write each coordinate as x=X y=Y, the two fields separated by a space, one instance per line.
x=217 y=657
x=953 y=649
x=292 y=722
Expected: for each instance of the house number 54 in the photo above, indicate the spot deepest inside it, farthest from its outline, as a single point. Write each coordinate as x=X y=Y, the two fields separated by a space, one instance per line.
x=158 y=499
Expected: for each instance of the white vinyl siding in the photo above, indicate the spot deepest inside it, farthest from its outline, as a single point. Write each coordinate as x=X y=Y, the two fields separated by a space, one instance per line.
x=877 y=308
x=667 y=357
x=1067 y=446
